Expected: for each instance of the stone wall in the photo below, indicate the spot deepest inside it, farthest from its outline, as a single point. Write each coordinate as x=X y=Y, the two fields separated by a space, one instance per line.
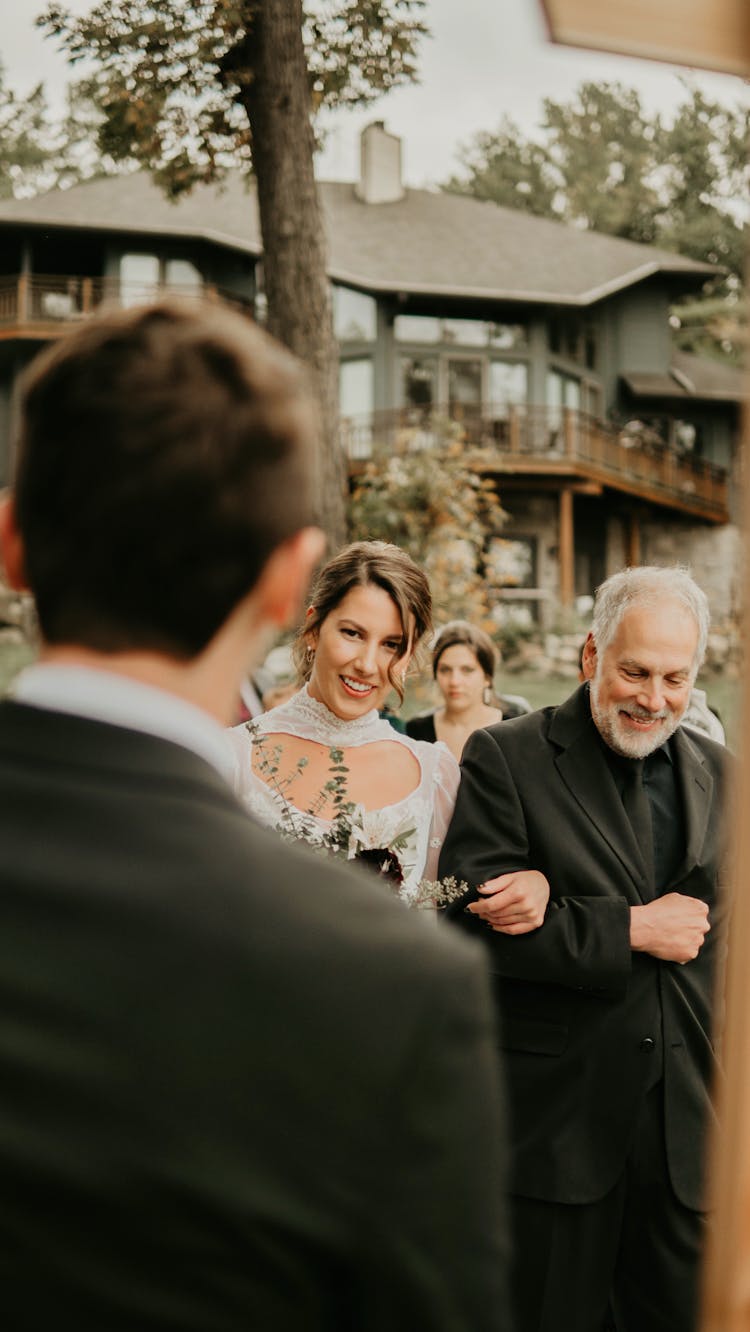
x=714 y=556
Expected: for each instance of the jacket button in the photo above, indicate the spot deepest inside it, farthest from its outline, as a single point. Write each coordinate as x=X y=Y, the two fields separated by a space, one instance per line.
x=647 y=1043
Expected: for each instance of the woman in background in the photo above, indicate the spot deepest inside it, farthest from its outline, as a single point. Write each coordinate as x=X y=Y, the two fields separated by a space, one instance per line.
x=464 y=660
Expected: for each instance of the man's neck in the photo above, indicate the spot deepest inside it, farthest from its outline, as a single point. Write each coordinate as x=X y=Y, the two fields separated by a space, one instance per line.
x=196 y=681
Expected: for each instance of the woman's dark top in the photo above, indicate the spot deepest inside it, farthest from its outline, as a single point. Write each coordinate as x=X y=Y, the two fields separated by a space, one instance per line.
x=422 y=727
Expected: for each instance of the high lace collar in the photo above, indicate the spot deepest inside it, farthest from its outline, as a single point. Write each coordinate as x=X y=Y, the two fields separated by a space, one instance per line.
x=306 y=717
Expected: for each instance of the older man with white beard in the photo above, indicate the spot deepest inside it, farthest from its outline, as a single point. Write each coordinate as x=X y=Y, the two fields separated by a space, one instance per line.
x=606 y=1008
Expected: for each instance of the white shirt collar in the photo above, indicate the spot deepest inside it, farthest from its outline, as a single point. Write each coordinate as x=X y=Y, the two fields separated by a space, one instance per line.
x=105 y=696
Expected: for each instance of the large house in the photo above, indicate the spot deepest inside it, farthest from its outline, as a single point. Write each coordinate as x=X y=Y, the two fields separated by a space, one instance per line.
x=547 y=346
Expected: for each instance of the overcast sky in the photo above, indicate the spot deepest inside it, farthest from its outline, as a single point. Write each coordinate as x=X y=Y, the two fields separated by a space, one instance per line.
x=485 y=58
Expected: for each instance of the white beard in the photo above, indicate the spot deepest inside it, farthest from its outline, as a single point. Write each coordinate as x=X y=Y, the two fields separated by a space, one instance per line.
x=624 y=741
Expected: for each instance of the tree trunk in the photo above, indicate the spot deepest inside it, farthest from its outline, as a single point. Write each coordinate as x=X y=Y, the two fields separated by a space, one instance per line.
x=277 y=100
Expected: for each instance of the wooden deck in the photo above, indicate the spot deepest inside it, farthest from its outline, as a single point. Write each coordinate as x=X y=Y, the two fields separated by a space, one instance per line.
x=525 y=445
x=537 y=445
x=41 y=307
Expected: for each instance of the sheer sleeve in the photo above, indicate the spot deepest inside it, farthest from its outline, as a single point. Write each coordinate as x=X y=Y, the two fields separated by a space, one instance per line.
x=446 y=777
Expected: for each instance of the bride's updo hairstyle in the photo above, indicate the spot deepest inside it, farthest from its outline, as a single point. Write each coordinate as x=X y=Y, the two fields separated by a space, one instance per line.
x=365 y=564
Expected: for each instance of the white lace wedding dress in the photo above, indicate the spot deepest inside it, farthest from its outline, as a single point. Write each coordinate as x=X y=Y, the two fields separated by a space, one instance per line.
x=419 y=822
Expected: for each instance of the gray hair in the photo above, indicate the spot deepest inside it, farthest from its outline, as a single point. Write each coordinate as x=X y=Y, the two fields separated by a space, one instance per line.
x=647 y=585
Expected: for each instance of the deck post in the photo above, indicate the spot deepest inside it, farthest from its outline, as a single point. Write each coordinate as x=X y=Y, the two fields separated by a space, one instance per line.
x=566 y=548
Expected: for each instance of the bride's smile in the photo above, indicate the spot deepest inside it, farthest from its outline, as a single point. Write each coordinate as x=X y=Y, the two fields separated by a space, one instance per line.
x=358 y=648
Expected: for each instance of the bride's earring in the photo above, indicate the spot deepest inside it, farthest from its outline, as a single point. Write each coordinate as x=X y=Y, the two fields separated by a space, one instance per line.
x=487 y=696
x=309 y=653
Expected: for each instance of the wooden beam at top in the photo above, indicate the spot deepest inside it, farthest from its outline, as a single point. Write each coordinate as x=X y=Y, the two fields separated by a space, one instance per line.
x=708 y=34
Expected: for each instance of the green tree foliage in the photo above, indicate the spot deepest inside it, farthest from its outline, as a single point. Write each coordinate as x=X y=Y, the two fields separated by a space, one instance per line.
x=442 y=510
x=39 y=151
x=600 y=161
x=191 y=87
x=171 y=79
x=24 y=149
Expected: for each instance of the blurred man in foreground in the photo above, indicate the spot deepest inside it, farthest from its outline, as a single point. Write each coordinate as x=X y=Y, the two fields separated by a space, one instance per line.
x=236 y=1079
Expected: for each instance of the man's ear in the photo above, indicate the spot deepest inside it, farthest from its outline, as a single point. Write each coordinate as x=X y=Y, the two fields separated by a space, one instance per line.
x=286 y=576
x=11 y=545
x=588 y=660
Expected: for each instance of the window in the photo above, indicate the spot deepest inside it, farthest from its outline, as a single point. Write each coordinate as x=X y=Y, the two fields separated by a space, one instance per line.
x=356 y=399
x=181 y=273
x=418 y=382
x=464 y=385
x=354 y=315
x=507 y=337
x=139 y=278
x=417 y=328
x=466 y=332
x=508 y=387
x=459 y=332
x=569 y=338
x=562 y=391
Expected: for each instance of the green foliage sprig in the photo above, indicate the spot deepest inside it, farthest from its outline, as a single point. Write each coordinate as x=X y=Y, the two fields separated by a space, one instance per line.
x=344 y=835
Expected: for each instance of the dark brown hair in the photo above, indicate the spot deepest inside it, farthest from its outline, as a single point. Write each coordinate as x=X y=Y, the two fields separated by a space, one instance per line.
x=461 y=632
x=164 y=452
x=362 y=564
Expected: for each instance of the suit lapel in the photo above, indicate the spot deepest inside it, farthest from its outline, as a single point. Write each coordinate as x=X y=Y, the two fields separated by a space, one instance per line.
x=696 y=786
x=584 y=769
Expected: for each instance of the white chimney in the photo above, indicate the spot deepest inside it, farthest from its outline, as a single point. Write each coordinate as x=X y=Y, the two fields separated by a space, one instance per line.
x=380 y=166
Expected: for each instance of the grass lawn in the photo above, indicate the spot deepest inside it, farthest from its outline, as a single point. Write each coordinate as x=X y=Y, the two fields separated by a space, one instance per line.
x=13 y=658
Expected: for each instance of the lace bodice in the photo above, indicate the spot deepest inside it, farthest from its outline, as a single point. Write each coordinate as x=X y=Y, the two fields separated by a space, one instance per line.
x=420 y=821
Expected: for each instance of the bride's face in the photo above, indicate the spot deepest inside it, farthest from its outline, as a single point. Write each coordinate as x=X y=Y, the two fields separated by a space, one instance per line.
x=355 y=646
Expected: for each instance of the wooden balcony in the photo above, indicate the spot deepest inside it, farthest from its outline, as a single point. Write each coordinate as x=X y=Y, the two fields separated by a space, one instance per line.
x=540 y=446
x=40 y=306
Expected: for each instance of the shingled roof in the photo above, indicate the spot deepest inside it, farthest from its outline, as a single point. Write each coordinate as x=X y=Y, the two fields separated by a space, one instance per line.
x=426 y=243
x=691 y=376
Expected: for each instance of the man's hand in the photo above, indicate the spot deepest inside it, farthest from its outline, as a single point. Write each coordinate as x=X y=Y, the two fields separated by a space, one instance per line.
x=513 y=903
x=672 y=927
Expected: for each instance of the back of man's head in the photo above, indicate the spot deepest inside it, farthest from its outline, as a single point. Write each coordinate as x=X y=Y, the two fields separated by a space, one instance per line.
x=164 y=453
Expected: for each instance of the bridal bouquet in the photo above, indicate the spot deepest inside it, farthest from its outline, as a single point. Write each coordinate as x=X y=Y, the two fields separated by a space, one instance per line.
x=350 y=834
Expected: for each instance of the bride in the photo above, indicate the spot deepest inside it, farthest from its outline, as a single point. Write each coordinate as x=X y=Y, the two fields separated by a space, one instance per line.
x=370 y=609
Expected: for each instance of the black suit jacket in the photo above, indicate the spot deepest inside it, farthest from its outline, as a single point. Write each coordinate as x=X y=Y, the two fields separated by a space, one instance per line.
x=583 y=1019
x=235 y=1078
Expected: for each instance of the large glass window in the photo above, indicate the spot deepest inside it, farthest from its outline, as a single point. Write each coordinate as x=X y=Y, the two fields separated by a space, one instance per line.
x=356 y=387
x=139 y=278
x=464 y=386
x=354 y=315
x=356 y=400
x=419 y=382
x=417 y=328
x=459 y=332
x=466 y=332
x=562 y=391
x=508 y=387
x=181 y=273
x=507 y=337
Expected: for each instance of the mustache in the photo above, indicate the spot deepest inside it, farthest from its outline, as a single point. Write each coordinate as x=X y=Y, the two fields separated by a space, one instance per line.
x=643 y=714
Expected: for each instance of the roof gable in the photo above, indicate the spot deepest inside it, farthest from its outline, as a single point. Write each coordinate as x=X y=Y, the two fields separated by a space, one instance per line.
x=425 y=243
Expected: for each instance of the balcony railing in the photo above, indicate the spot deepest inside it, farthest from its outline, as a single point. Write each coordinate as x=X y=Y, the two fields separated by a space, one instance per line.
x=32 y=303
x=542 y=441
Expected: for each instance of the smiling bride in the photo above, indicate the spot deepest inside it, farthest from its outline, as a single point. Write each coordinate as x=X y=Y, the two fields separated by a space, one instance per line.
x=370 y=609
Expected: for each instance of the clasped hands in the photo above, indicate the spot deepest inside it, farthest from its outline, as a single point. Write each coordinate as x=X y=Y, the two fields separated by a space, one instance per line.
x=512 y=903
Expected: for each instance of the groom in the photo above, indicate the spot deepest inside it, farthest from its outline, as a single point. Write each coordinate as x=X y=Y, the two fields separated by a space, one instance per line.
x=235 y=1079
